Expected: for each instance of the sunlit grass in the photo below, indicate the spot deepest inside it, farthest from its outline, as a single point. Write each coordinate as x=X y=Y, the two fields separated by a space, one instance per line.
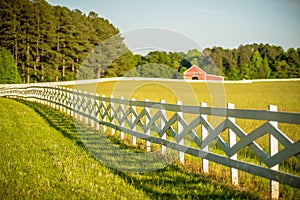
x=254 y=96
x=38 y=162
x=42 y=157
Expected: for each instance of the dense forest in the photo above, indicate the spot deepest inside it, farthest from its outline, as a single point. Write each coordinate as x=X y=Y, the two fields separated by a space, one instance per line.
x=54 y=43
x=48 y=42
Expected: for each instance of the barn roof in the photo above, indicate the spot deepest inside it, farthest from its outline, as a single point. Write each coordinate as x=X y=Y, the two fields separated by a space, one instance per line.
x=194 y=69
x=200 y=74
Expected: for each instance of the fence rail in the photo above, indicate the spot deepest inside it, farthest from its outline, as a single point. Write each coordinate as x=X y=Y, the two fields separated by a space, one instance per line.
x=160 y=117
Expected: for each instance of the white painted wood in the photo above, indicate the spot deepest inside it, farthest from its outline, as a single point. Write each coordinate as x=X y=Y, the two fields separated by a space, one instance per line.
x=132 y=120
x=104 y=118
x=97 y=114
x=65 y=100
x=148 y=144
x=162 y=124
x=71 y=113
x=113 y=131
x=49 y=97
x=75 y=97
x=55 y=95
x=80 y=109
x=121 y=116
x=65 y=96
x=180 y=129
x=69 y=92
x=56 y=100
x=92 y=122
x=204 y=133
x=274 y=185
x=234 y=174
x=60 y=99
x=86 y=119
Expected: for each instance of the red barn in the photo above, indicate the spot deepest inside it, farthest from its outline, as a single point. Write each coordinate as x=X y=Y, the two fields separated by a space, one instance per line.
x=195 y=73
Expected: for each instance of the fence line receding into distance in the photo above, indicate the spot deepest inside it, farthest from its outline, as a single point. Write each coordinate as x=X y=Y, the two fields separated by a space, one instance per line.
x=183 y=128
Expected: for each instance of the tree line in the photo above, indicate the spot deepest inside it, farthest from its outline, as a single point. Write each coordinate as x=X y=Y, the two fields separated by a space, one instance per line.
x=251 y=61
x=48 y=42
x=54 y=43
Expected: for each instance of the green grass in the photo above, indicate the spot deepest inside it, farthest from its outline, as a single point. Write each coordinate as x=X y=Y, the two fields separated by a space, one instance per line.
x=255 y=96
x=284 y=94
x=42 y=157
x=37 y=161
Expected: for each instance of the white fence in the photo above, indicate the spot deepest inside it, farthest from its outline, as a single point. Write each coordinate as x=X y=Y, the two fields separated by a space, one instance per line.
x=171 y=129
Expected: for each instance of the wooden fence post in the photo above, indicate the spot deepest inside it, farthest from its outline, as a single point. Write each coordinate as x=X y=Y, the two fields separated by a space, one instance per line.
x=46 y=102
x=112 y=105
x=204 y=134
x=75 y=96
x=40 y=95
x=56 y=100
x=86 y=119
x=104 y=117
x=179 y=130
x=132 y=120
x=71 y=100
x=60 y=100
x=234 y=174
x=64 y=100
x=97 y=113
x=148 y=143
x=67 y=102
x=274 y=185
x=51 y=97
x=121 y=116
x=162 y=125
x=80 y=109
x=93 y=111
x=47 y=97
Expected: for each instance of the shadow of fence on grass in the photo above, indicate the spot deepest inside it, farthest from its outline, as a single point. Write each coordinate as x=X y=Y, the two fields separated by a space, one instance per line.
x=171 y=182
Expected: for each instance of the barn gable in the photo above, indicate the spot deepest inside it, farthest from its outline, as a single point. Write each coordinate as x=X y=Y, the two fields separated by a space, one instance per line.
x=196 y=73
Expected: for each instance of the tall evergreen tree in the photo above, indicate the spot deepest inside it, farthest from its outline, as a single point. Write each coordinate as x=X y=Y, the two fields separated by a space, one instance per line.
x=8 y=68
x=49 y=43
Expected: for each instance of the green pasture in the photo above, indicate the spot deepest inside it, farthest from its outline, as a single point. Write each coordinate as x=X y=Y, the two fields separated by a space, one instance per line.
x=255 y=96
x=42 y=157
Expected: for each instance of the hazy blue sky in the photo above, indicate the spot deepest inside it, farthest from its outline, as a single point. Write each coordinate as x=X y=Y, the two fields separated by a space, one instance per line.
x=226 y=23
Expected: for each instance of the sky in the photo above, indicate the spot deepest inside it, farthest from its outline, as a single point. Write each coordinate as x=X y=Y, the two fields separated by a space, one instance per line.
x=208 y=23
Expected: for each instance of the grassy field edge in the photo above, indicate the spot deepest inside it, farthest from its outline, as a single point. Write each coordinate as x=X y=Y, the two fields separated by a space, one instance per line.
x=48 y=161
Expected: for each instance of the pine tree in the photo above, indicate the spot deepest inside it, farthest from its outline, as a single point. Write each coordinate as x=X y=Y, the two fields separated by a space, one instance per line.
x=8 y=68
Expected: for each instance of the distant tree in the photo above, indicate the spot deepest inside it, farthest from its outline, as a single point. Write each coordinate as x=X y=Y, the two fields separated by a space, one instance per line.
x=293 y=60
x=194 y=56
x=259 y=68
x=152 y=70
x=8 y=68
x=158 y=57
x=281 y=69
x=123 y=65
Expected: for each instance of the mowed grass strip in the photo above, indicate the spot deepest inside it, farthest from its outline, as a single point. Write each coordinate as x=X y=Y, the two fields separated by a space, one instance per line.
x=37 y=161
